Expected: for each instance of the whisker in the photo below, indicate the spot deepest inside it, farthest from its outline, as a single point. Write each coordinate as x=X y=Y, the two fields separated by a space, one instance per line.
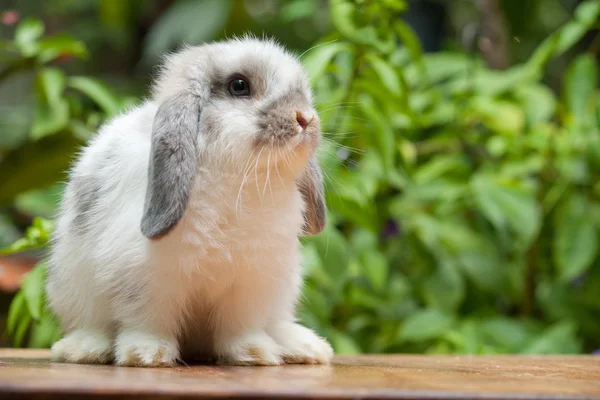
x=268 y=179
x=352 y=117
x=342 y=146
x=244 y=179
x=286 y=155
x=344 y=135
x=256 y=171
x=335 y=108
x=277 y=167
x=342 y=103
x=315 y=46
x=331 y=177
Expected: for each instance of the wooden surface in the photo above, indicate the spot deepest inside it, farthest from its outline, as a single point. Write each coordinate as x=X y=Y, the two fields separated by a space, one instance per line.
x=28 y=374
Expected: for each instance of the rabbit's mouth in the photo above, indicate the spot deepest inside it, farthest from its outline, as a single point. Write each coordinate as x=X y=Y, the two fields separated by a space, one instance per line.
x=291 y=142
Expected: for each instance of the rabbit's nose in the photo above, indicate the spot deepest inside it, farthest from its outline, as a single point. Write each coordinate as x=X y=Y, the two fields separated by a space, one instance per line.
x=303 y=121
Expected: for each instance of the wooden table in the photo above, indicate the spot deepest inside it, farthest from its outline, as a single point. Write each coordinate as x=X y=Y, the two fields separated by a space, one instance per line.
x=28 y=374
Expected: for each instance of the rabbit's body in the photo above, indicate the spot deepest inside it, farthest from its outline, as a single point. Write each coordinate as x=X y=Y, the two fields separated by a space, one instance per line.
x=222 y=280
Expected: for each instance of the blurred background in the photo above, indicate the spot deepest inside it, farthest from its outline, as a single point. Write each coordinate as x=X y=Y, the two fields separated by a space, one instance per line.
x=462 y=157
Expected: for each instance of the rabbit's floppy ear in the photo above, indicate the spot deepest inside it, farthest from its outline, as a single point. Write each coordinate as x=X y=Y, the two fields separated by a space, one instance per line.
x=172 y=164
x=312 y=190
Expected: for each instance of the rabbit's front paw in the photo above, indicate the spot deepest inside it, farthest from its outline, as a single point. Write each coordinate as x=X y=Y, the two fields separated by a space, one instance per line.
x=250 y=349
x=300 y=345
x=83 y=347
x=139 y=349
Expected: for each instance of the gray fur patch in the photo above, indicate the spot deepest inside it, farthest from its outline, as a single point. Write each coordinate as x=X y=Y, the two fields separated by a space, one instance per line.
x=85 y=192
x=313 y=192
x=172 y=164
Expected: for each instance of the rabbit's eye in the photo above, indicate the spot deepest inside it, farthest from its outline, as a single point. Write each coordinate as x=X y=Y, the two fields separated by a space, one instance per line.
x=239 y=87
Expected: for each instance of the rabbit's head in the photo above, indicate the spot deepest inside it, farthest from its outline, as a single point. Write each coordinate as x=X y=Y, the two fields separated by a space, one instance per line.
x=222 y=106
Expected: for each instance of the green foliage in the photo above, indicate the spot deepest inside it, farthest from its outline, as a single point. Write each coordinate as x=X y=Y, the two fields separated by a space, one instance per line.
x=28 y=315
x=36 y=236
x=471 y=203
x=67 y=109
x=190 y=22
x=464 y=203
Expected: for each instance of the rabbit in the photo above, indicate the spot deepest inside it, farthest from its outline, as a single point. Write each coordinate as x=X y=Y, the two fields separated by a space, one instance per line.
x=178 y=235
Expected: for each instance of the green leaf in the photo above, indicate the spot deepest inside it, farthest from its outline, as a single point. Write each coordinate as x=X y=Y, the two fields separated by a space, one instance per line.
x=468 y=339
x=445 y=289
x=360 y=296
x=357 y=187
x=344 y=344
x=455 y=64
x=311 y=262
x=360 y=322
x=363 y=240
x=50 y=84
x=587 y=12
x=425 y=324
x=482 y=264
x=410 y=40
x=40 y=231
x=98 y=92
x=560 y=338
x=49 y=119
x=342 y=15
x=318 y=58
x=593 y=150
x=317 y=303
x=438 y=167
x=42 y=202
x=27 y=34
x=500 y=116
x=188 y=21
x=539 y=102
x=50 y=48
x=43 y=332
x=36 y=236
x=363 y=215
x=297 y=9
x=33 y=290
x=508 y=333
x=19 y=245
x=16 y=312
x=333 y=251
x=493 y=83
x=23 y=325
x=575 y=243
x=52 y=110
x=580 y=88
x=567 y=36
x=375 y=268
x=49 y=157
x=386 y=73
x=394 y=6
x=507 y=207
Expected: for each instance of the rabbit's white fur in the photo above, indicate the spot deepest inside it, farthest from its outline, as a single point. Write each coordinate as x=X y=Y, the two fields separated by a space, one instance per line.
x=226 y=279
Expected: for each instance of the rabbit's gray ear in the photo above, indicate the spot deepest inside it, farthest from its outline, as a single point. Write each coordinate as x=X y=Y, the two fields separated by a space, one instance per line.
x=172 y=164
x=313 y=193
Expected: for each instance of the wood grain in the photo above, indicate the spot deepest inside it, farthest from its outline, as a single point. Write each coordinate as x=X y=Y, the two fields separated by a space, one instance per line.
x=28 y=374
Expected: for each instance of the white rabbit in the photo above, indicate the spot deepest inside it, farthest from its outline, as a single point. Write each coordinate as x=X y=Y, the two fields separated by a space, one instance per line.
x=178 y=234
